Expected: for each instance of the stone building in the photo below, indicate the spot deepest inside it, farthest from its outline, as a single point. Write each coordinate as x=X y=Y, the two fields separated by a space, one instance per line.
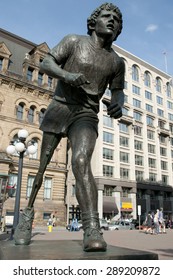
x=25 y=93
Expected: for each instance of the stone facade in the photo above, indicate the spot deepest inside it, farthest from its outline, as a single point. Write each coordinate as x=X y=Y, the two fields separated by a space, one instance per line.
x=24 y=96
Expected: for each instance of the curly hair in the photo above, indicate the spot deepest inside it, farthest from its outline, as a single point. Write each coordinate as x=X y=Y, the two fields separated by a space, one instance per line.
x=107 y=7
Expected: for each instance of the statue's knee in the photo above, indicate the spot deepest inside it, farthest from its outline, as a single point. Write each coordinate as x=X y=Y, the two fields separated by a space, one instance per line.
x=79 y=163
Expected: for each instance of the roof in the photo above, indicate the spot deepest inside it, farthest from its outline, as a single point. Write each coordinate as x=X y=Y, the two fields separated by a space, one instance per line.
x=18 y=47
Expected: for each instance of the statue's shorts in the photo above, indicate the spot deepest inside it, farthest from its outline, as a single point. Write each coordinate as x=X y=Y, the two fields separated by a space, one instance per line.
x=61 y=117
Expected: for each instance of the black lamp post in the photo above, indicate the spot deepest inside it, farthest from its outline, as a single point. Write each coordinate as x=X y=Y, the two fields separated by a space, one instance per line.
x=21 y=148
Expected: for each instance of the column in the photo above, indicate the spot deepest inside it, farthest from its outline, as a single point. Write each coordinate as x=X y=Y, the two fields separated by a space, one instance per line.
x=118 y=203
x=100 y=203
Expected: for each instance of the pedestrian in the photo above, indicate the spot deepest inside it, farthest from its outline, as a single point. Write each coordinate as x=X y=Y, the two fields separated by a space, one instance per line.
x=149 y=223
x=161 y=222
x=84 y=66
x=156 y=222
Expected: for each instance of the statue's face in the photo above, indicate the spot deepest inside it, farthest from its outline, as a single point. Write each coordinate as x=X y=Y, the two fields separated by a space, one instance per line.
x=107 y=24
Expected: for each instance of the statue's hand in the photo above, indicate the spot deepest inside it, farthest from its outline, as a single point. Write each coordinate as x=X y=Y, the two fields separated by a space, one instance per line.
x=114 y=110
x=76 y=79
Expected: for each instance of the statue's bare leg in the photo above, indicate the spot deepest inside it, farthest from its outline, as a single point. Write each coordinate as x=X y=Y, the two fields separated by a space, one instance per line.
x=83 y=139
x=22 y=235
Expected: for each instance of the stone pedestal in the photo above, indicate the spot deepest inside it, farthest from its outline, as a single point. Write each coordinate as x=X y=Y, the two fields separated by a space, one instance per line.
x=67 y=250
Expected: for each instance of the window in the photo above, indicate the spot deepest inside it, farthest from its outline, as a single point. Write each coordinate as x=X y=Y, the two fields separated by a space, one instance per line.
x=149 y=108
x=19 y=113
x=150 y=121
x=47 y=188
x=137 y=116
x=29 y=185
x=123 y=127
x=164 y=165
x=125 y=98
x=152 y=177
x=108 y=137
x=159 y=100
x=40 y=79
x=170 y=105
x=163 y=151
x=160 y=112
x=147 y=80
x=139 y=175
x=1 y=63
x=161 y=124
x=135 y=73
x=152 y=162
x=168 y=89
x=107 y=171
x=107 y=121
x=137 y=130
x=107 y=191
x=125 y=192
x=136 y=90
x=125 y=111
x=170 y=117
x=138 y=145
x=50 y=82
x=148 y=95
x=162 y=139
x=124 y=173
x=138 y=160
x=30 y=74
x=124 y=157
x=136 y=103
x=171 y=141
x=41 y=115
x=165 y=179
x=151 y=148
x=171 y=127
x=158 y=85
x=124 y=141
x=31 y=114
x=108 y=153
x=150 y=134
x=12 y=182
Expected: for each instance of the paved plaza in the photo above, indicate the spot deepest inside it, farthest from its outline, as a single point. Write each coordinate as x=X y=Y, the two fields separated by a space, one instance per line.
x=161 y=244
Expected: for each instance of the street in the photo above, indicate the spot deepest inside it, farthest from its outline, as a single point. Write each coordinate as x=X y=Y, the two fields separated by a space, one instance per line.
x=161 y=244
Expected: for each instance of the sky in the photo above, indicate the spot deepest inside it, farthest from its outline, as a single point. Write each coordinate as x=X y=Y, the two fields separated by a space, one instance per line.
x=147 y=24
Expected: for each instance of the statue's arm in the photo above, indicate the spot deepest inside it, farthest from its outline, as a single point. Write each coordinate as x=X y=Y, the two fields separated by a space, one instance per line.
x=50 y=66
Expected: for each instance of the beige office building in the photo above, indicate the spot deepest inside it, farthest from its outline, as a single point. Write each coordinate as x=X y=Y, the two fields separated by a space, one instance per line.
x=133 y=159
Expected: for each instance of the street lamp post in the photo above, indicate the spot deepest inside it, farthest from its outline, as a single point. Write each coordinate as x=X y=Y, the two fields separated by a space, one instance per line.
x=21 y=148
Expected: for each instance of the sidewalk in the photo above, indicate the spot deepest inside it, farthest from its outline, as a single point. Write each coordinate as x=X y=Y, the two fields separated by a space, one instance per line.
x=161 y=244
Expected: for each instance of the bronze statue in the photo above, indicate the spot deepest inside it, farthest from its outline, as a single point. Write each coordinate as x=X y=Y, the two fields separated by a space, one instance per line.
x=84 y=67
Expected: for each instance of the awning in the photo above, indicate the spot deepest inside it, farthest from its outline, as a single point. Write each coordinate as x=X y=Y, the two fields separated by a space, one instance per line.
x=109 y=206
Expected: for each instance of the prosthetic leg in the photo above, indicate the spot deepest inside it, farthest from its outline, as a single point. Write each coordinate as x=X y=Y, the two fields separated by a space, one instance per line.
x=23 y=231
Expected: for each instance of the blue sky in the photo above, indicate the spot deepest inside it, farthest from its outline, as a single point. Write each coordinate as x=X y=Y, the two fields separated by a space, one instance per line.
x=147 y=31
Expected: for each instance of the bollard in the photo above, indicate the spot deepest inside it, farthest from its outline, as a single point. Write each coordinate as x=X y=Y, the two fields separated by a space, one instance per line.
x=50 y=228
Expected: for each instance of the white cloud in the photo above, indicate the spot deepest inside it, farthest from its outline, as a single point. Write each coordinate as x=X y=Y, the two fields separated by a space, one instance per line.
x=151 y=28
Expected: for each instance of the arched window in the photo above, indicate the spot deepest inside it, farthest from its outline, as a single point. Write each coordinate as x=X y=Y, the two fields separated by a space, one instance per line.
x=135 y=73
x=158 y=85
x=31 y=114
x=41 y=115
x=147 y=79
x=19 y=112
x=168 y=89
